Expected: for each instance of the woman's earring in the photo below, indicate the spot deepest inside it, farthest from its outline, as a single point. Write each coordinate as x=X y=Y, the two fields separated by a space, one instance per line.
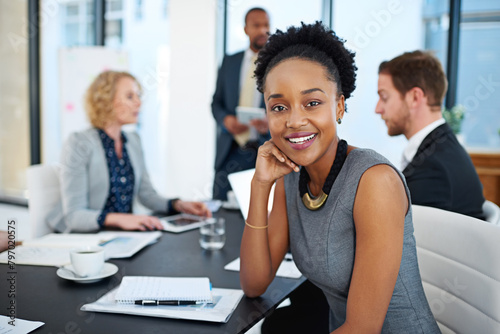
x=339 y=120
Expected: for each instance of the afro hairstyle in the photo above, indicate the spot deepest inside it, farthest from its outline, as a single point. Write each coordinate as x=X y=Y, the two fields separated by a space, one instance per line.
x=313 y=42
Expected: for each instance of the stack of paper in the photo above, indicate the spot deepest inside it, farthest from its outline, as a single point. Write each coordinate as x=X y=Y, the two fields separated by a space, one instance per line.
x=218 y=306
x=17 y=326
x=53 y=249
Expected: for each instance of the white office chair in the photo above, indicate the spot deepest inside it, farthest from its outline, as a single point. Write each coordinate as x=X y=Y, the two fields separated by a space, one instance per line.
x=491 y=212
x=44 y=194
x=459 y=261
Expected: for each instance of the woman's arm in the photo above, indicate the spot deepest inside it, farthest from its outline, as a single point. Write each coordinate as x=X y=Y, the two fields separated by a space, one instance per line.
x=263 y=248
x=131 y=222
x=379 y=213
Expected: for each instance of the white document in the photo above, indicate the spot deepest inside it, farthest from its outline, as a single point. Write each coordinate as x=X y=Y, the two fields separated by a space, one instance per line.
x=53 y=249
x=121 y=245
x=225 y=301
x=213 y=204
x=38 y=256
x=65 y=240
x=287 y=268
x=20 y=326
x=246 y=114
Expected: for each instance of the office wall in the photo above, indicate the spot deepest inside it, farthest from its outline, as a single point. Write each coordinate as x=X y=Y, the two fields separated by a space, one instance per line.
x=190 y=125
x=378 y=32
x=174 y=60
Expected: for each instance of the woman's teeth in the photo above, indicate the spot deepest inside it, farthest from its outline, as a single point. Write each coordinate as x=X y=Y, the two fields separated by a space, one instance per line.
x=300 y=140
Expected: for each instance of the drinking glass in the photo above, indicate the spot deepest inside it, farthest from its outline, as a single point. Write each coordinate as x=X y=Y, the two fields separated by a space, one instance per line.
x=213 y=234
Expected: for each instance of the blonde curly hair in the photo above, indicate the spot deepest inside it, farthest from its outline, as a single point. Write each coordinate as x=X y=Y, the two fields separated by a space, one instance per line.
x=100 y=95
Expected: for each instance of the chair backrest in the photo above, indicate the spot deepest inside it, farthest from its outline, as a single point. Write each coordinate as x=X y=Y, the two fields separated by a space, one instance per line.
x=44 y=194
x=491 y=212
x=459 y=261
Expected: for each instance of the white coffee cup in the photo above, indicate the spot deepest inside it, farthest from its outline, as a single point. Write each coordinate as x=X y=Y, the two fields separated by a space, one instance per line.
x=87 y=261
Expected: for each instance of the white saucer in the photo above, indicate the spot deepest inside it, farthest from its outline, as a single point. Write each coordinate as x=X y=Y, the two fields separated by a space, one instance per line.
x=107 y=270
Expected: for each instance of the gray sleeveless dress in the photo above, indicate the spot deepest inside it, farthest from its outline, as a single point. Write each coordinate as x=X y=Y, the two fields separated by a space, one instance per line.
x=323 y=244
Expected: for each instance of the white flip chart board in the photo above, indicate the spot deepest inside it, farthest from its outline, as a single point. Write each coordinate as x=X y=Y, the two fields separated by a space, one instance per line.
x=78 y=67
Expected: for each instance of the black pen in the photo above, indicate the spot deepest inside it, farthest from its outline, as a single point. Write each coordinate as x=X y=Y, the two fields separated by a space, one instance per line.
x=165 y=302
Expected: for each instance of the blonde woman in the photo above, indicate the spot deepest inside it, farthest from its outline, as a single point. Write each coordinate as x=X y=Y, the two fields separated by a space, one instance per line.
x=103 y=170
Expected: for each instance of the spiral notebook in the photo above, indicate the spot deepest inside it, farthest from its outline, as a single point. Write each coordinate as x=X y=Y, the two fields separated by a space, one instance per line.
x=134 y=288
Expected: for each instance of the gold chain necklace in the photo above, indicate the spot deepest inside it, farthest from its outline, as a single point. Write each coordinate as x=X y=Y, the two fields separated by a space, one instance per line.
x=318 y=202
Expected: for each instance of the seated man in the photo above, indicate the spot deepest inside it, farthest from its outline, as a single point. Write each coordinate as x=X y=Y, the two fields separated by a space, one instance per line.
x=438 y=170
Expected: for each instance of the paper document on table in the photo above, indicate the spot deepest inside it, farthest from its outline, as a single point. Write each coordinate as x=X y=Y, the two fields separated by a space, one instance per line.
x=287 y=267
x=125 y=244
x=17 y=326
x=53 y=249
x=66 y=240
x=224 y=303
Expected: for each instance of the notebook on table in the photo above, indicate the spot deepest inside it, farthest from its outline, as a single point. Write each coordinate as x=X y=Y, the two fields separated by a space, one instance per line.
x=215 y=305
x=135 y=288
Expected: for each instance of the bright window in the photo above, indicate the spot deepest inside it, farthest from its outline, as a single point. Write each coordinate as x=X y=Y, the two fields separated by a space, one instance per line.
x=479 y=73
x=14 y=103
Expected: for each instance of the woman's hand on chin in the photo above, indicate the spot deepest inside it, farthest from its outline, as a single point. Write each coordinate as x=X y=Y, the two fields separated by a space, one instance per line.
x=272 y=164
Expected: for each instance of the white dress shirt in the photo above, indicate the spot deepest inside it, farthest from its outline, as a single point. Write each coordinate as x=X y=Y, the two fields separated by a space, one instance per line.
x=257 y=96
x=415 y=141
x=245 y=65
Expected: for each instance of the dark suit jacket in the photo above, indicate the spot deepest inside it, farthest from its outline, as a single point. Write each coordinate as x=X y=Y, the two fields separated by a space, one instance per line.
x=442 y=175
x=225 y=101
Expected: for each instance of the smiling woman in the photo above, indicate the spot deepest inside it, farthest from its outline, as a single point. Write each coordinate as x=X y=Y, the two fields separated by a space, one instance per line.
x=345 y=212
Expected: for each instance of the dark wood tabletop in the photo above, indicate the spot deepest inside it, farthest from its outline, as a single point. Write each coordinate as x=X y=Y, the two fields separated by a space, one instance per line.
x=40 y=295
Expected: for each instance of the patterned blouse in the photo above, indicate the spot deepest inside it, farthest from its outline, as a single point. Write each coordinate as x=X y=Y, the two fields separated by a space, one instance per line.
x=121 y=179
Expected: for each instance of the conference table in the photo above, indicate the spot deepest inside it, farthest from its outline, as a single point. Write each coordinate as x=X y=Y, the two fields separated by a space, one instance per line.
x=43 y=296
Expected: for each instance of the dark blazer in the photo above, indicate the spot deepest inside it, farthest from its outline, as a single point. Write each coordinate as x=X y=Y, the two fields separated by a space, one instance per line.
x=225 y=101
x=442 y=175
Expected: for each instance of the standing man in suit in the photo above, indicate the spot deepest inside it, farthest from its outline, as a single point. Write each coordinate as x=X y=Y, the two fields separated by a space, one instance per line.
x=237 y=143
x=439 y=172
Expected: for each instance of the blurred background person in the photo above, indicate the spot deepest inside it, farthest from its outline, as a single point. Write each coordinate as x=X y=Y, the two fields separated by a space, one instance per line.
x=237 y=143
x=438 y=170
x=103 y=170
